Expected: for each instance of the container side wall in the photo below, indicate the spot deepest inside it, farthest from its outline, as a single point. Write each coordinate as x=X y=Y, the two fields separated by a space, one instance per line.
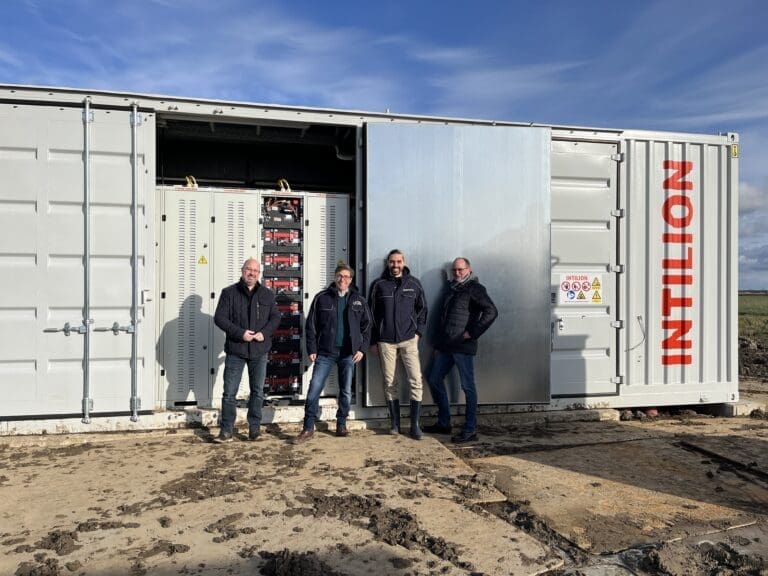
x=679 y=247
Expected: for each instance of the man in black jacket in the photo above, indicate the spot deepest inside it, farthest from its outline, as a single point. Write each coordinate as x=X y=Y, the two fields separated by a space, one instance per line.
x=467 y=313
x=248 y=314
x=399 y=311
x=338 y=331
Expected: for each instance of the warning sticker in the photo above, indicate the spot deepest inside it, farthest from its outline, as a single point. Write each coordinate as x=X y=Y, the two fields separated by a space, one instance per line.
x=202 y=260
x=583 y=289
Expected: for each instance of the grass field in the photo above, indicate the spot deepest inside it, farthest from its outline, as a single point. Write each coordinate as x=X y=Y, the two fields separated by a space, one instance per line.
x=753 y=317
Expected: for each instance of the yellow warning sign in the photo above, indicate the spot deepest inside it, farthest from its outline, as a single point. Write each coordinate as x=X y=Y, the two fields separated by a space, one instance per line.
x=596 y=284
x=596 y=297
x=202 y=260
x=581 y=296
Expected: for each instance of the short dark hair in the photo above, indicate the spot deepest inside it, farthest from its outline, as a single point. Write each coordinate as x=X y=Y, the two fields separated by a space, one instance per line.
x=341 y=267
x=395 y=251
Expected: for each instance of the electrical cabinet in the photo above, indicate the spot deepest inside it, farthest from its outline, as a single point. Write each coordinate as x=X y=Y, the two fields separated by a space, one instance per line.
x=206 y=235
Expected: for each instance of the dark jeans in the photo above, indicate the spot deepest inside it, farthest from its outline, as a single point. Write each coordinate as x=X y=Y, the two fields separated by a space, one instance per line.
x=320 y=372
x=440 y=368
x=233 y=373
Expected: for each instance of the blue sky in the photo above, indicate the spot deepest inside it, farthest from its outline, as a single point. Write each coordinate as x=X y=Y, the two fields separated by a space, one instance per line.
x=694 y=66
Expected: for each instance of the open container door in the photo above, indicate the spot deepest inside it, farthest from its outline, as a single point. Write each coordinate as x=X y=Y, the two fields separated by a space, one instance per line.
x=76 y=325
x=483 y=192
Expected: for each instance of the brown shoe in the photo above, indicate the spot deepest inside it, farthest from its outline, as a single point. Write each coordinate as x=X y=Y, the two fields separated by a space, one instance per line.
x=342 y=431
x=304 y=436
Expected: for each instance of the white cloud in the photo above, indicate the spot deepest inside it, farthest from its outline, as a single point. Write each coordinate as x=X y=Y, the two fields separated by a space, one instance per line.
x=753 y=199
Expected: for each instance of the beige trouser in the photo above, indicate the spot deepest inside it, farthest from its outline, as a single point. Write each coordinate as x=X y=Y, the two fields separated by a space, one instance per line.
x=408 y=351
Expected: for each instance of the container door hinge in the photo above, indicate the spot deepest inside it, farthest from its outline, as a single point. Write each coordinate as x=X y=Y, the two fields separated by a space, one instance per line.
x=137 y=119
x=618 y=324
x=618 y=157
x=617 y=380
x=617 y=268
x=618 y=213
x=88 y=116
x=135 y=403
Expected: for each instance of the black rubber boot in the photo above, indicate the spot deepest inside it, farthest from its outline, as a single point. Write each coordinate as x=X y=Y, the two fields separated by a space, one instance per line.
x=416 y=433
x=394 y=416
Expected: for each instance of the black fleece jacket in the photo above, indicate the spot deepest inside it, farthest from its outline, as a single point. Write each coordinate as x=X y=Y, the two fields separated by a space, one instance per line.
x=466 y=308
x=240 y=310
x=398 y=306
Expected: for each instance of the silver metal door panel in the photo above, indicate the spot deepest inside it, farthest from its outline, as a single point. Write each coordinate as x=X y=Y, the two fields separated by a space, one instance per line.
x=437 y=192
x=584 y=359
x=236 y=237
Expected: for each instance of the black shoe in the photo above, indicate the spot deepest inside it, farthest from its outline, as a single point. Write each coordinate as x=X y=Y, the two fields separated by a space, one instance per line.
x=437 y=429
x=464 y=437
x=223 y=438
x=254 y=435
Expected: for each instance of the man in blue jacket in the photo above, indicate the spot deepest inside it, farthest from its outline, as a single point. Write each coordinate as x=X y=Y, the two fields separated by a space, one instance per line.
x=467 y=313
x=248 y=314
x=399 y=311
x=338 y=332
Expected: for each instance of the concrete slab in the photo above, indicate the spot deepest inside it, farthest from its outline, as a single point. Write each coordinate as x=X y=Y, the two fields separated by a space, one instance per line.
x=609 y=496
x=740 y=408
x=165 y=503
x=286 y=416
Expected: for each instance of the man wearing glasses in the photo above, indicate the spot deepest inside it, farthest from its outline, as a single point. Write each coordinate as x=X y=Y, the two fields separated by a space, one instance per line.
x=466 y=314
x=399 y=311
x=248 y=314
x=338 y=331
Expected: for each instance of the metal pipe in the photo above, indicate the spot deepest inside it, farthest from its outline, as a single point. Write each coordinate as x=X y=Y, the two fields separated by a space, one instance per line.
x=135 y=265
x=87 y=268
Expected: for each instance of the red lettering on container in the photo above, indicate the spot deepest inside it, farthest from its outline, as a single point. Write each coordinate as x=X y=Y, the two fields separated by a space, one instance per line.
x=677 y=212
x=676 y=340
x=675 y=181
x=677 y=221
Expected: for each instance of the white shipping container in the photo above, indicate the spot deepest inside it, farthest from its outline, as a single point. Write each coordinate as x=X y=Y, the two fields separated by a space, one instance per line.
x=611 y=254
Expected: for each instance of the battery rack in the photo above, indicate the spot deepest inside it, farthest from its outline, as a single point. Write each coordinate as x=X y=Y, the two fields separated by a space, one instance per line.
x=282 y=220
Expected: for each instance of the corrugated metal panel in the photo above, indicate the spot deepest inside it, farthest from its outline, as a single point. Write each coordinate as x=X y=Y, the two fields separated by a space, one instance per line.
x=680 y=283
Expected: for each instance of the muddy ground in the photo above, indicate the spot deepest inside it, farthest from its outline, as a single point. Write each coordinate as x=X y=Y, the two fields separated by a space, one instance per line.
x=684 y=493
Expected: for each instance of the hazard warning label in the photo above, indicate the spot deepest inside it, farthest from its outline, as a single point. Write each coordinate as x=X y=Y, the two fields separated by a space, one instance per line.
x=580 y=288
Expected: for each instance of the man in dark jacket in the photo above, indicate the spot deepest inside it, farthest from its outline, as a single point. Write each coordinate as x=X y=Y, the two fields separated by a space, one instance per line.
x=248 y=314
x=399 y=311
x=338 y=331
x=467 y=313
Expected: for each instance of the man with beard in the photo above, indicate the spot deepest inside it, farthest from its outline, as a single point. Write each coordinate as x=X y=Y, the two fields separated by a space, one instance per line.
x=399 y=311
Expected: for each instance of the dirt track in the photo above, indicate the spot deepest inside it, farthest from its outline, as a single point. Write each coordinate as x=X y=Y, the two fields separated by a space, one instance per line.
x=681 y=495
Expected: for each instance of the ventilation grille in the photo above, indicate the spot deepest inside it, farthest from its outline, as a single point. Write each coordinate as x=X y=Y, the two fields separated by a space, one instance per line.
x=236 y=231
x=186 y=289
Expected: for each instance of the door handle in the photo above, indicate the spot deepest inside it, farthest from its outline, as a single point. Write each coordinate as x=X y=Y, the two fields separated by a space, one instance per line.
x=68 y=329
